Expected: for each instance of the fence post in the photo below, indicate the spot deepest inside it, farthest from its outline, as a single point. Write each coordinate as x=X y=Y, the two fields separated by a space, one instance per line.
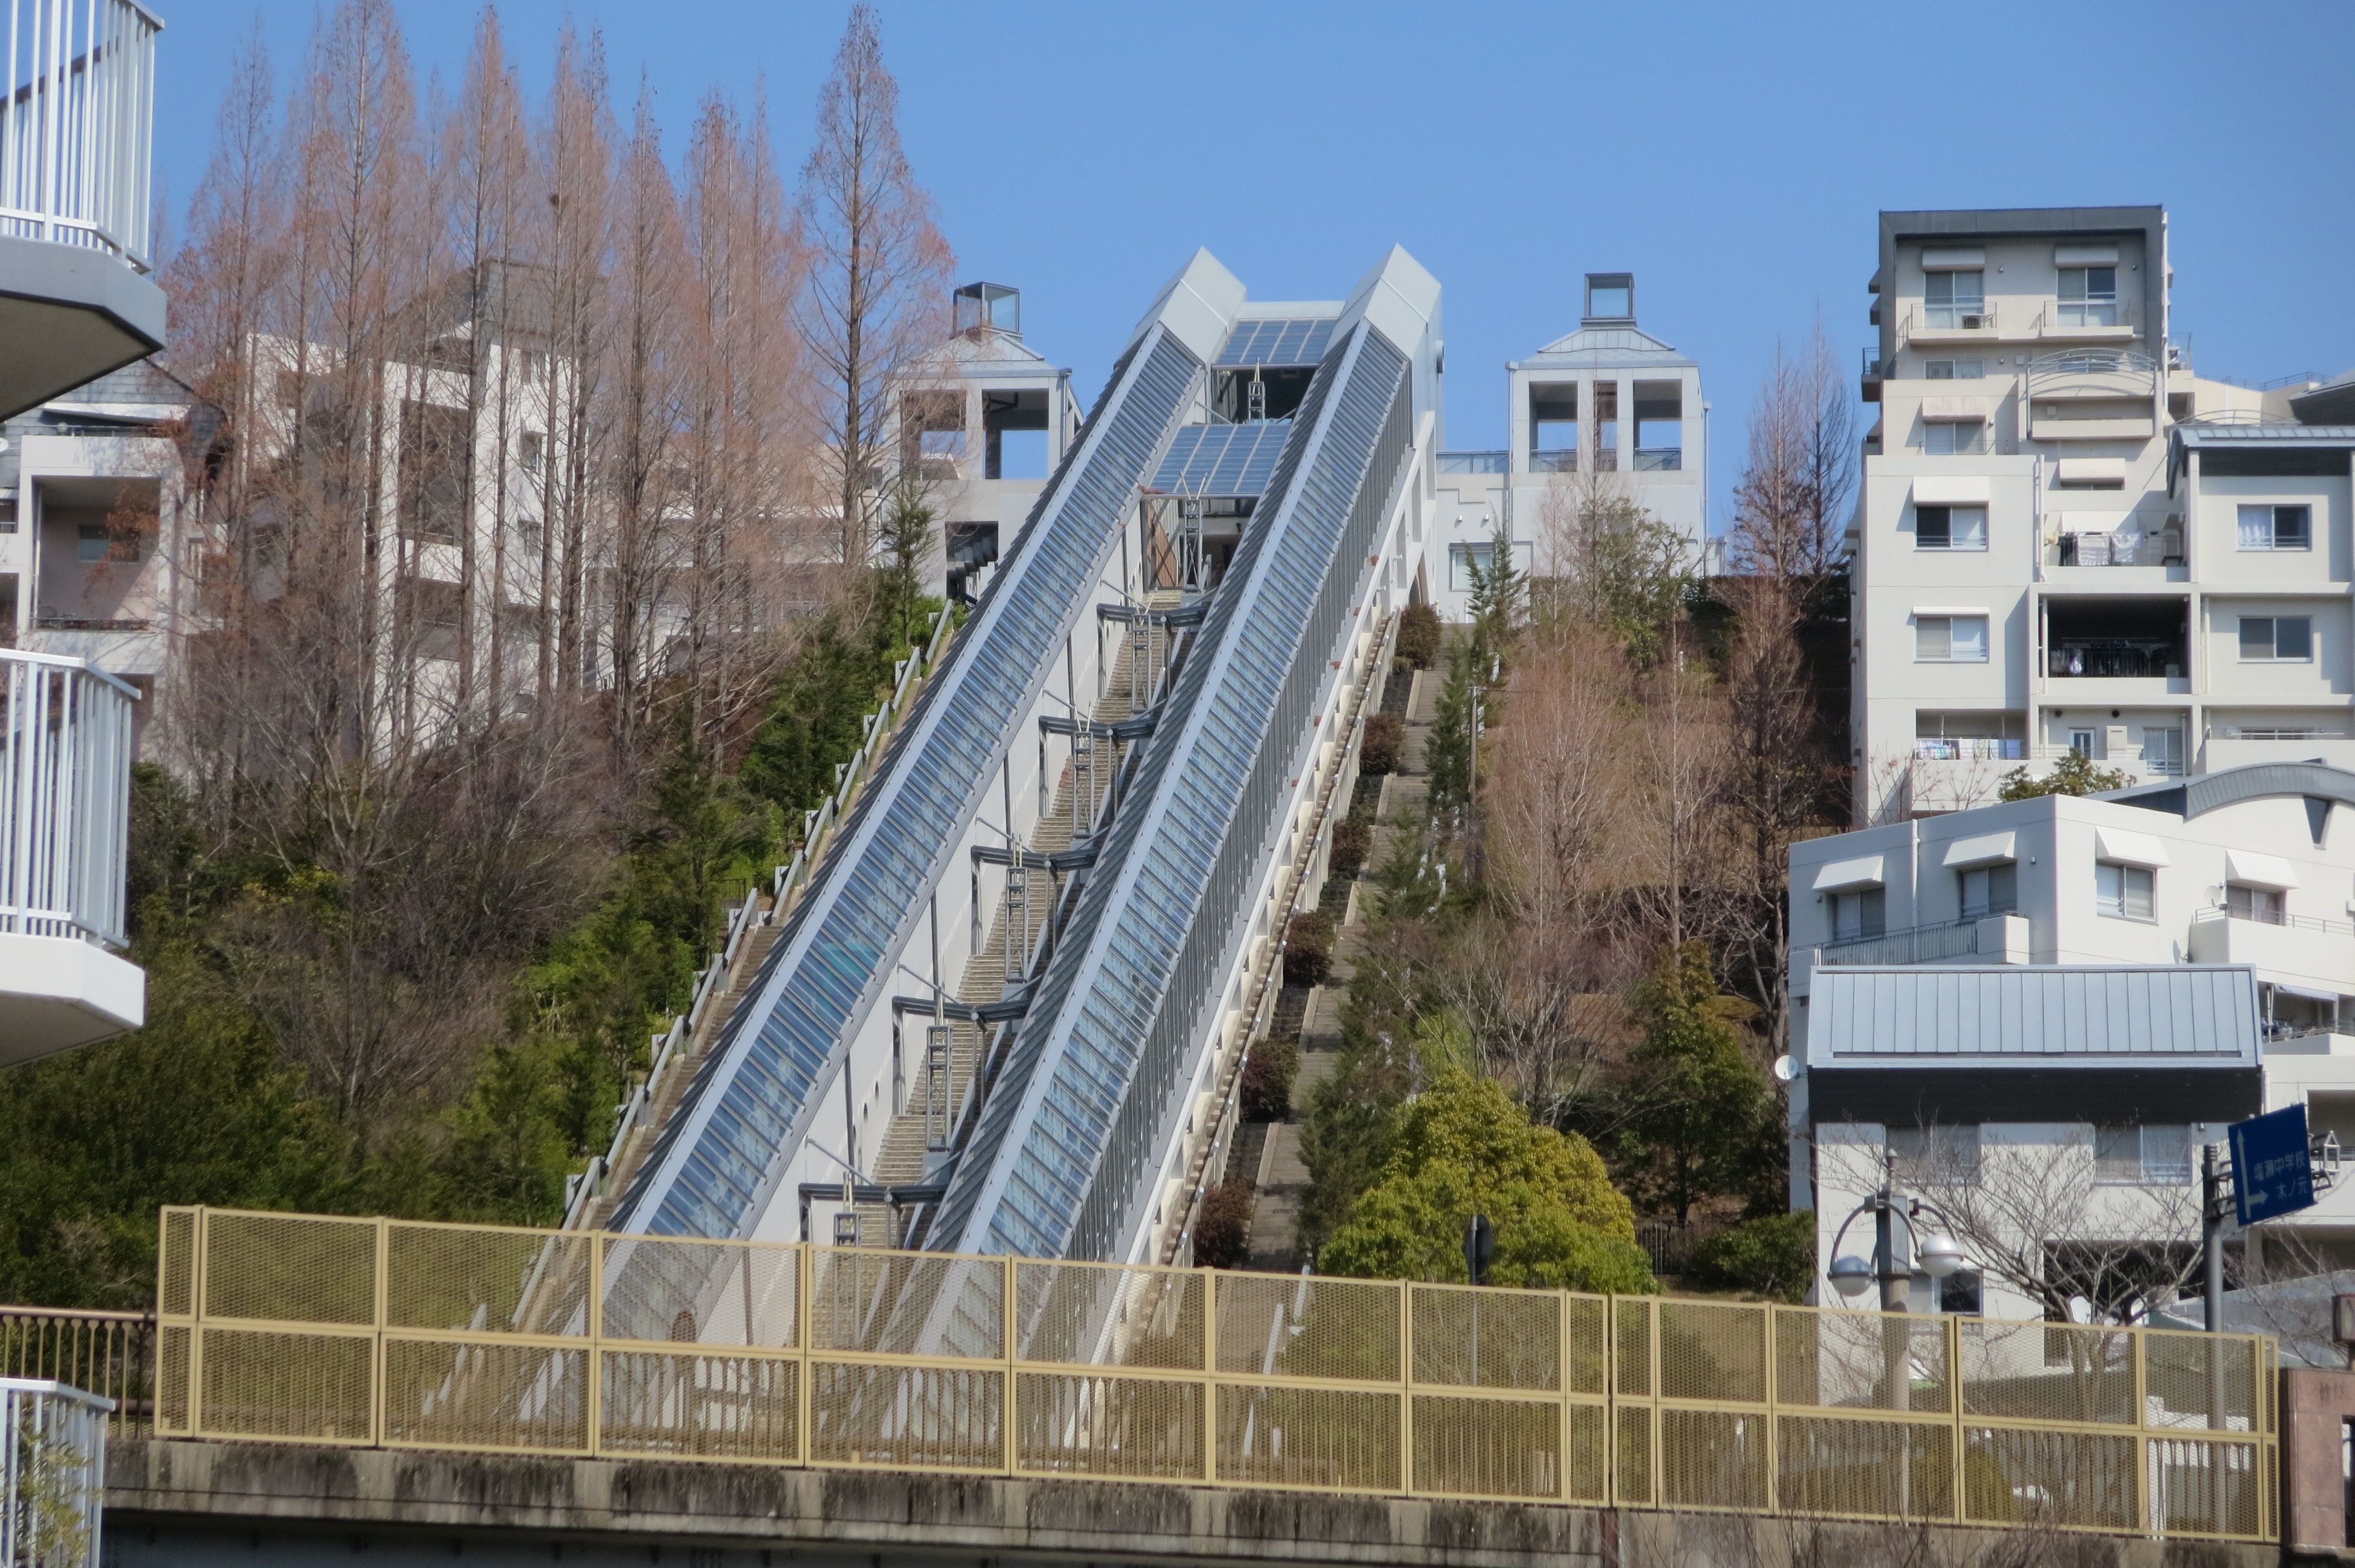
x=1775 y=1420
x=1210 y=1278
x=1406 y=1385
x=1006 y=1327
x=805 y=1282
x=1954 y=1404
x=375 y=1349
x=1566 y=1438
x=200 y=1246
x=593 y=1385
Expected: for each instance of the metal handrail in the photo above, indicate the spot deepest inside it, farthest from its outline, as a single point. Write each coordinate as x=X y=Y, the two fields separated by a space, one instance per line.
x=1907 y=944
x=65 y=798
x=2282 y=919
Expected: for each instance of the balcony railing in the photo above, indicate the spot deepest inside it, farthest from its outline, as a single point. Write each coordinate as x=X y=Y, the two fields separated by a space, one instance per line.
x=1970 y=748
x=76 y=131
x=2111 y=658
x=1475 y=462
x=1958 y=315
x=2281 y=917
x=1910 y=945
x=52 y=1473
x=1659 y=460
x=1554 y=459
x=65 y=798
x=2119 y=548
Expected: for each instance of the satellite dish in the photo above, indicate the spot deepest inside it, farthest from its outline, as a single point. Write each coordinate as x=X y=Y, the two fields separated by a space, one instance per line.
x=1786 y=1069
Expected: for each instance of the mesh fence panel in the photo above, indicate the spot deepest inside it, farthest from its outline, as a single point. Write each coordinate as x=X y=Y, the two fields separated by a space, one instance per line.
x=1869 y=1360
x=907 y=1303
x=1487 y=1448
x=273 y=1383
x=2081 y=1480
x=1332 y=1439
x=1294 y=1326
x=2047 y=1372
x=1120 y=1428
x=1088 y=1315
x=477 y=1280
x=1712 y=1351
x=1586 y=1453
x=1634 y=1471
x=693 y=1404
x=472 y=1394
x=291 y=1268
x=1712 y=1458
x=2198 y=1380
x=1885 y=1469
x=1587 y=1320
x=2205 y=1487
x=1486 y=1338
x=711 y=1292
x=907 y=1417
x=173 y=1343
x=175 y=1264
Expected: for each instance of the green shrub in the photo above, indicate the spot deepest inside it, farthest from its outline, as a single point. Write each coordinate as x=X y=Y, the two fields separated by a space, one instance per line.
x=1267 y=1090
x=1418 y=635
x=1222 y=1230
x=1308 y=949
x=1351 y=838
x=1383 y=745
x=1774 y=1257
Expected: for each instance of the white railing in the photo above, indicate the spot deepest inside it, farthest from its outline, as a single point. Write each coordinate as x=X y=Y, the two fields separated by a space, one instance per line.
x=52 y=1474
x=78 y=125
x=65 y=798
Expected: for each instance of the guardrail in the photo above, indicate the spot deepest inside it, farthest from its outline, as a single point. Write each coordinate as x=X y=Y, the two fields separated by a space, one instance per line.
x=77 y=126
x=52 y=1474
x=65 y=798
x=2281 y=917
x=300 y=1329
x=107 y=1353
x=1475 y=462
x=1908 y=945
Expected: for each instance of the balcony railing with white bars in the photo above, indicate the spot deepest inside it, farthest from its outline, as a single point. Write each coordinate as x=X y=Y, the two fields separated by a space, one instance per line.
x=78 y=124
x=65 y=798
x=52 y=1474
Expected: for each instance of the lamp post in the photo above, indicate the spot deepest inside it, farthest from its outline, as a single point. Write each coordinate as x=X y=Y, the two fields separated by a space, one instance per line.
x=1941 y=1257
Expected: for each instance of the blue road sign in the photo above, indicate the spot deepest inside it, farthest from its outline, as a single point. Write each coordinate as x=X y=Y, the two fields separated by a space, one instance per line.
x=2272 y=1173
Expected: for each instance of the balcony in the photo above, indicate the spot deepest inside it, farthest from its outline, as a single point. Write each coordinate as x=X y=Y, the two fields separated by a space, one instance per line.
x=1554 y=459
x=1998 y=939
x=1954 y=321
x=2308 y=950
x=2115 y=659
x=2097 y=319
x=65 y=816
x=75 y=301
x=1870 y=378
x=2117 y=548
x=1659 y=460
x=1475 y=462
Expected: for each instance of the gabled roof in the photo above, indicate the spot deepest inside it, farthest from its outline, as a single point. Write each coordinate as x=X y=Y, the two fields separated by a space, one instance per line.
x=1618 y=347
x=2033 y=1016
x=987 y=351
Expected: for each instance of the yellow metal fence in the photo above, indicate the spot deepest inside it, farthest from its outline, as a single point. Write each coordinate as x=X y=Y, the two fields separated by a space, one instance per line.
x=302 y=1329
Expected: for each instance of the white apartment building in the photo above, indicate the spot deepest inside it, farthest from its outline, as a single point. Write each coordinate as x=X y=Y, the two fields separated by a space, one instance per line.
x=2064 y=540
x=1608 y=408
x=2086 y=990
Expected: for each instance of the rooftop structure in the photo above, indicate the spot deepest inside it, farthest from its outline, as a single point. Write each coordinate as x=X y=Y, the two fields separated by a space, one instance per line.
x=1608 y=410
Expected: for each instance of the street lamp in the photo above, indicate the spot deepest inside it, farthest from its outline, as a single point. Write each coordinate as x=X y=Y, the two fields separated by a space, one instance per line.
x=1941 y=1254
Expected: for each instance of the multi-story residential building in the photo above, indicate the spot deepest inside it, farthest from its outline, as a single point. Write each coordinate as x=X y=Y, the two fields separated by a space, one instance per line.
x=1608 y=408
x=76 y=302
x=2093 y=987
x=2066 y=541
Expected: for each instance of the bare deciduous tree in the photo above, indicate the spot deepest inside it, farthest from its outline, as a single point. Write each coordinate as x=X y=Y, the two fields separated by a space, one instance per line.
x=874 y=302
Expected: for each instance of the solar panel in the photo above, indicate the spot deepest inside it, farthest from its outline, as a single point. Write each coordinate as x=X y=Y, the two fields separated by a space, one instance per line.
x=1223 y=459
x=1293 y=342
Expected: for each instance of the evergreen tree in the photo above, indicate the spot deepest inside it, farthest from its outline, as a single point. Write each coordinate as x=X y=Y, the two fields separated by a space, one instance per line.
x=1702 y=1119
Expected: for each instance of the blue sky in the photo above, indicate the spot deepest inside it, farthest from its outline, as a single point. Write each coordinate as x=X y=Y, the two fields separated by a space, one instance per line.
x=1731 y=155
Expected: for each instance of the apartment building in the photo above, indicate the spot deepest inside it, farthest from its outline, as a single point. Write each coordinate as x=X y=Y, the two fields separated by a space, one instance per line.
x=1608 y=410
x=2079 y=992
x=2066 y=540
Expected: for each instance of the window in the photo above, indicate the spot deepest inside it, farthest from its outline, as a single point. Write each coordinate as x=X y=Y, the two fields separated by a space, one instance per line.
x=1463 y=559
x=1950 y=638
x=1953 y=369
x=2277 y=639
x=1954 y=437
x=2089 y=296
x=2122 y=892
x=2081 y=741
x=2276 y=528
x=8 y=514
x=1949 y=527
x=2243 y=903
x=2142 y=1156
x=1955 y=299
x=1859 y=914
x=92 y=542
x=532 y=451
x=1961 y=1293
x=2162 y=749
x=1991 y=890
x=1936 y=1153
